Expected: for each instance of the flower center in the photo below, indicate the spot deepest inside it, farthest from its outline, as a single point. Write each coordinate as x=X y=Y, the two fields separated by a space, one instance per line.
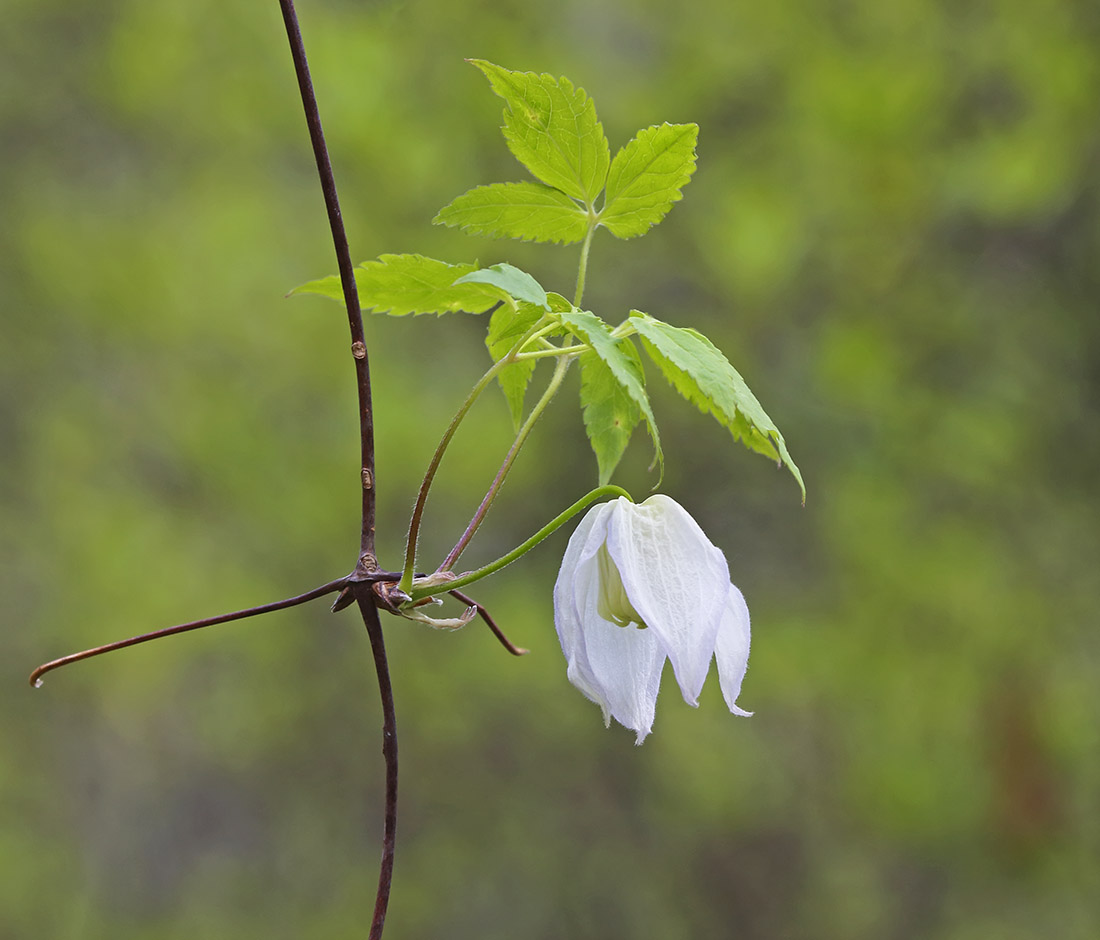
x=613 y=603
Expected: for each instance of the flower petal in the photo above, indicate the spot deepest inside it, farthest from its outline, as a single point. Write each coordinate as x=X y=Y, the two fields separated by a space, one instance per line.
x=731 y=649
x=578 y=574
x=618 y=668
x=677 y=580
x=627 y=663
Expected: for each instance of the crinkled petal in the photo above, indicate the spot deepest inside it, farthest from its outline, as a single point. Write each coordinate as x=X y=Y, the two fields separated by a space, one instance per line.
x=731 y=649
x=577 y=576
x=618 y=668
x=677 y=580
x=627 y=663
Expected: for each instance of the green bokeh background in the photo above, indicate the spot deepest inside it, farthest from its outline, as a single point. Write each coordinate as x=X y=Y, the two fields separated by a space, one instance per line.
x=893 y=233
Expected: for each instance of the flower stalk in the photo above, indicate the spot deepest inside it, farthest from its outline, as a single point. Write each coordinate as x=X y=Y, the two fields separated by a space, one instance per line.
x=536 y=331
x=523 y=548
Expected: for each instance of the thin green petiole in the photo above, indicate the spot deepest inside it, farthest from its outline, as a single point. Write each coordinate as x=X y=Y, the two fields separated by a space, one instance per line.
x=541 y=332
x=556 y=523
x=582 y=270
x=624 y=329
x=437 y=457
x=550 y=353
x=551 y=389
x=565 y=355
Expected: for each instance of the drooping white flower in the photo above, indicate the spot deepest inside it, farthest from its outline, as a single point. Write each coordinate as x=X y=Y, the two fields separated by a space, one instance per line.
x=639 y=584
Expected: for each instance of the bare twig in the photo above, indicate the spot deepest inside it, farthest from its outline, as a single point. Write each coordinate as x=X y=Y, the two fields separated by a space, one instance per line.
x=389 y=752
x=363 y=592
x=497 y=632
x=36 y=676
x=367 y=557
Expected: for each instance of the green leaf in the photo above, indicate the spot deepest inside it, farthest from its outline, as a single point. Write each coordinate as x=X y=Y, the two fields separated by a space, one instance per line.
x=646 y=177
x=402 y=284
x=699 y=371
x=515 y=283
x=551 y=128
x=621 y=360
x=530 y=211
x=506 y=328
x=329 y=287
x=558 y=304
x=610 y=413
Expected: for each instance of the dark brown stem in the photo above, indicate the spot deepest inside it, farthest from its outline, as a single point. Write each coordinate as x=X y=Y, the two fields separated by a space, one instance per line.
x=331 y=587
x=367 y=558
x=497 y=632
x=367 y=563
x=389 y=752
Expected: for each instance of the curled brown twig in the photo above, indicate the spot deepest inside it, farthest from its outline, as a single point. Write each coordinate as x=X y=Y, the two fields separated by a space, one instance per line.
x=497 y=632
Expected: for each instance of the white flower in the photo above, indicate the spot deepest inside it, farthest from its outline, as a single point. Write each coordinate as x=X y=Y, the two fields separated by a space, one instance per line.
x=640 y=584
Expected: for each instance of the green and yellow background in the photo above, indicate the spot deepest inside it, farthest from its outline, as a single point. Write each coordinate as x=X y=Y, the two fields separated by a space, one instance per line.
x=892 y=233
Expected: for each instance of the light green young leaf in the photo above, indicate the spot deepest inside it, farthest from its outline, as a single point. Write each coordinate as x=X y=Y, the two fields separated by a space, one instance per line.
x=551 y=128
x=506 y=328
x=699 y=371
x=558 y=304
x=610 y=413
x=622 y=366
x=515 y=283
x=402 y=284
x=329 y=287
x=530 y=211
x=646 y=177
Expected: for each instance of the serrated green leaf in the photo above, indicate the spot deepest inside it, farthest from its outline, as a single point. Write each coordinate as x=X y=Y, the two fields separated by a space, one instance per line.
x=403 y=284
x=506 y=328
x=558 y=304
x=646 y=177
x=517 y=284
x=699 y=371
x=529 y=211
x=552 y=129
x=329 y=287
x=610 y=413
x=622 y=366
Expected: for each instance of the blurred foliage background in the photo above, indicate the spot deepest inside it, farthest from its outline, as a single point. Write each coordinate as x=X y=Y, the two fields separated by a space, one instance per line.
x=893 y=234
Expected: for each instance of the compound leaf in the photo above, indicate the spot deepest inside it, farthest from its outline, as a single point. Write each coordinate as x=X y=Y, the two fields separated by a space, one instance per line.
x=552 y=129
x=621 y=360
x=403 y=284
x=646 y=177
x=515 y=283
x=529 y=211
x=506 y=328
x=699 y=371
x=329 y=287
x=610 y=413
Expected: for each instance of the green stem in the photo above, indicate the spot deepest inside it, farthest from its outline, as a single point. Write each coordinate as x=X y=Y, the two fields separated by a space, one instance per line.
x=582 y=271
x=541 y=332
x=624 y=329
x=437 y=457
x=557 y=522
x=555 y=381
x=550 y=353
